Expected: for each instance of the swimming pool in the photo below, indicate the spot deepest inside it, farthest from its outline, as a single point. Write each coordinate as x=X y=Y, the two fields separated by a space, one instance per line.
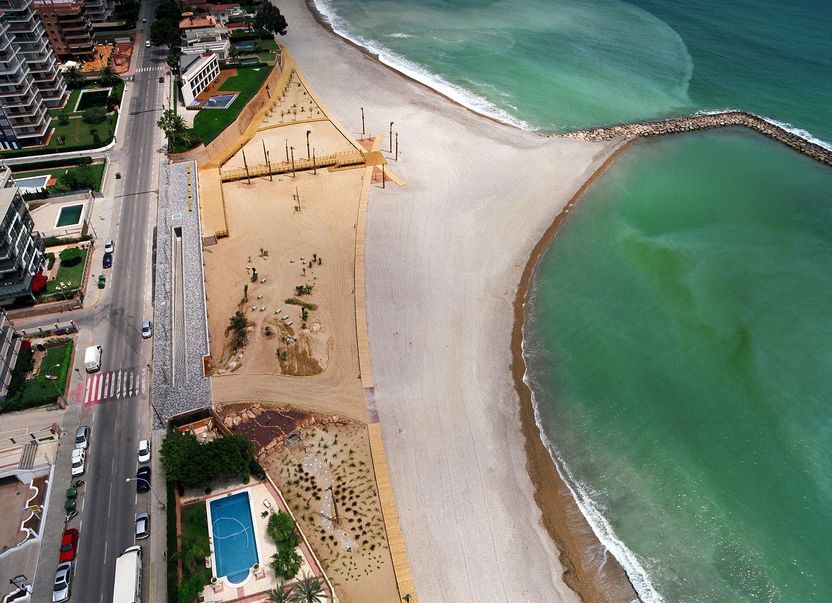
x=245 y=46
x=70 y=215
x=235 y=547
x=32 y=184
x=223 y=101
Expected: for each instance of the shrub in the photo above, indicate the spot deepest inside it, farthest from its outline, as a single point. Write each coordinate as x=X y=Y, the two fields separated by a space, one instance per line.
x=238 y=324
x=71 y=256
x=286 y=563
x=50 y=260
x=94 y=115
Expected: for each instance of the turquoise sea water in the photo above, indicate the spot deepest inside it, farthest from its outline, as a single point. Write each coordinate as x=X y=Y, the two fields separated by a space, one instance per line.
x=678 y=346
x=678 y=334
x=565 y=64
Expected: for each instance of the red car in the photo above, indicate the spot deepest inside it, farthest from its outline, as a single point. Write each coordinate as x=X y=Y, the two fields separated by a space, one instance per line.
x=69 y=545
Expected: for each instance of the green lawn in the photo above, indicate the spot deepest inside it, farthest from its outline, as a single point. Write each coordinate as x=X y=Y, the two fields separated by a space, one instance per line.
x=78 y=133
x=96 y=169
x=40 y=390
x=194 y=542
x=208 y=123
x=71 y=275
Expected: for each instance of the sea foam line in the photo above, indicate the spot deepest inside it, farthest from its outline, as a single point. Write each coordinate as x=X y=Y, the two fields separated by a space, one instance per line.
x=636 y=572
x=800 y=132
x=456 y=93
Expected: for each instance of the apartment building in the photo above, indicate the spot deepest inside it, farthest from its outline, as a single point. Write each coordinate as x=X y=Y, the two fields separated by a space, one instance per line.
x=28 y=35
x=9 y=347
x=98 y=11
x=197 y=74
x=23 y=117
x=67 y=27
x=21 y=248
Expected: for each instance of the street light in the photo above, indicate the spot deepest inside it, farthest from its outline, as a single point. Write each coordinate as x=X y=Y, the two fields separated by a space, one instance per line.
x=55 y=385
x=141 y=479
x=391 y=137
x=308 y=153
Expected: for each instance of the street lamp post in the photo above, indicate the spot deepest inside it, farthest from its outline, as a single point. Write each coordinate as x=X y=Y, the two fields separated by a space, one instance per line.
x=292 y=153
x=141 y=479
x=308 y=154
x=55 y=385
x=391 y=136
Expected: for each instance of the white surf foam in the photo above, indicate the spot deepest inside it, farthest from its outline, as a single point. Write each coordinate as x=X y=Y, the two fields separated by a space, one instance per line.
x=636 y=572
x=804 y=134
x=400 y=35
x=464 y=97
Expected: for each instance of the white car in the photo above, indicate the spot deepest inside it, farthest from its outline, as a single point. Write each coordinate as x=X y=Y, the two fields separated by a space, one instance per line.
x=147 y=44
x=144 y=451
x=147 y=329
x=142 y=525
x=79 y=457
x=109 y=246
x=62 y=586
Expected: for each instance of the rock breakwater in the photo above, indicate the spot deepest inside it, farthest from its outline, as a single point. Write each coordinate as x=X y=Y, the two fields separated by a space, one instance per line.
x=691 y=123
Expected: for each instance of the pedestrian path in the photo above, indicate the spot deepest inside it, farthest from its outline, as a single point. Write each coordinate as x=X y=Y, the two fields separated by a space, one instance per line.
x=151 y=68
x=115 y=385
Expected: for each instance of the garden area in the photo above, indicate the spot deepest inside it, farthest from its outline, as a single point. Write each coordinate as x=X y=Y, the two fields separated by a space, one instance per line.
x=69 y=176
x=208 y=124
x=86 y=125
x=48 y=370
x=68 y=279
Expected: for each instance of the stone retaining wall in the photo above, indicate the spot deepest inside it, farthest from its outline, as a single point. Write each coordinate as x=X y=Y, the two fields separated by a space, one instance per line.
x=701 y=122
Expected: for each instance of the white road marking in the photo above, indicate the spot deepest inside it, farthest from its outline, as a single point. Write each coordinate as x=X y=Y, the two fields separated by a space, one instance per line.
x=100 y=383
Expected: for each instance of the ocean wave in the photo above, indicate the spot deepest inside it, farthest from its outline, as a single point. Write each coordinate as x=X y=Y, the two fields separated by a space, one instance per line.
x=636 y=572
x=804 y=134
x=399 y=34
x=458 y=94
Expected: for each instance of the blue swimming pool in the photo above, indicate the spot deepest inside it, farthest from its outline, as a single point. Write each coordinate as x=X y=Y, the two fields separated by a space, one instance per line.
x=222 y=101
x=235 y=547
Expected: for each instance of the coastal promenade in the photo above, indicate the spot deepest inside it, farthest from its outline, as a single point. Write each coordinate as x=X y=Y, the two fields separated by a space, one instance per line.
x=691 y=123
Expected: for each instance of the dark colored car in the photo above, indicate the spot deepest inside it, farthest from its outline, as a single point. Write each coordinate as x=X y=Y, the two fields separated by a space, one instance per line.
x=143 y=479
x=108 y=260
x=69 y=545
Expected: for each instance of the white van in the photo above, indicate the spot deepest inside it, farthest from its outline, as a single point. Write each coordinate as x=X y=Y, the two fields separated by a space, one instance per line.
x=92 y=358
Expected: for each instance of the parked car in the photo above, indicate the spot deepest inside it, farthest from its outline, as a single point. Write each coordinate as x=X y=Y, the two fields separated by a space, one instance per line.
x=142 y=525
x=82 y=436
x=147 y=44
x=109 y=246
x=108 y=260
x=69 y=545
x=79 y=457
x=144 y=451
x=161 y=79
x=143 y=479
x=147 y=329
x=62 y=587
x=144 y=20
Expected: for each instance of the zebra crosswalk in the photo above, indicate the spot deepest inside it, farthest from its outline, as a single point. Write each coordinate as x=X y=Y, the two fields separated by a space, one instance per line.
x=151 y=68
x=114 y=385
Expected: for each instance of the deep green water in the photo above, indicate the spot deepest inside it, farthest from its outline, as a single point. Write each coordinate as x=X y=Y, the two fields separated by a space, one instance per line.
x=678 y=343
x=678 y=338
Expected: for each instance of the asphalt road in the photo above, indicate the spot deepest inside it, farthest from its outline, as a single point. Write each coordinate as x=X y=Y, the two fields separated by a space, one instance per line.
x=106 y=519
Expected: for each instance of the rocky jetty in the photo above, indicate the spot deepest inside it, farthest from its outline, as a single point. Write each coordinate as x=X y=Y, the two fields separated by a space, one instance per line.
x=691 y=123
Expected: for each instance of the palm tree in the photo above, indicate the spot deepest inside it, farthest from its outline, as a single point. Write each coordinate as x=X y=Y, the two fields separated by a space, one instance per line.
x=74 y=77
x=108 y=76
x=233 y=53
x=309 y=590
x=280 y=594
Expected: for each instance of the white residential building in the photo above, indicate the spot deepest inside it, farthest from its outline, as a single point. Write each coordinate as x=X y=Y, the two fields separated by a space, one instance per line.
x=197 y=74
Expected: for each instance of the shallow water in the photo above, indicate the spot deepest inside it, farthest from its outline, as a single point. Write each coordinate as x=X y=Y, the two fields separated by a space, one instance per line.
x=678 y=348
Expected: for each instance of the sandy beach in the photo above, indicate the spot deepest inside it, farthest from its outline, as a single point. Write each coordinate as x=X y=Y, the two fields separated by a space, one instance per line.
x=444 y=257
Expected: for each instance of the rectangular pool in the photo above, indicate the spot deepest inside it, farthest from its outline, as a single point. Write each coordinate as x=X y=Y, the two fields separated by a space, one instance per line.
x=235 y=547
x=70 y=215
x=32 y=183
x=222 y=101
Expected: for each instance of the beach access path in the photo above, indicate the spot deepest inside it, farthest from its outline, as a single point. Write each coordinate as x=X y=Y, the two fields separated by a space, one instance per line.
x=444 y=256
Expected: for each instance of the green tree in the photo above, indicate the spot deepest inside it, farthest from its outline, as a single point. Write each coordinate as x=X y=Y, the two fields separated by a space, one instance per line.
x=268 y=17
x=172 y=58
x=165 y=33
x=280 y=594
x=74 y=77
x=191 y=588
x=233 y=53
x=238 y=325
x=172 y=125
x=71 y=256
x=286 y=563
x=108 y=76
x=309 y=590
x=282 y=530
